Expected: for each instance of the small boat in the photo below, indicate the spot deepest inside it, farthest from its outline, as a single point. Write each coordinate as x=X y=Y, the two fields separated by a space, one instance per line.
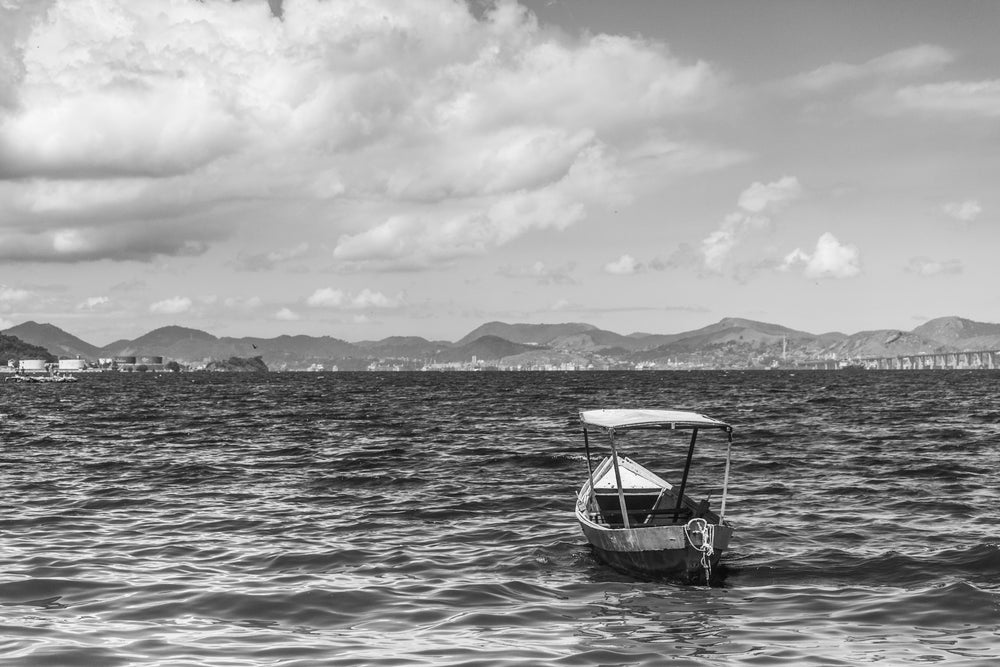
x=637 y=521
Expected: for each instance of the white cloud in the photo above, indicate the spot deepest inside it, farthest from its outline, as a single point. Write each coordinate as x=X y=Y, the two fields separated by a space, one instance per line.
x=924 y=266
x=715 y=247
x=952 y=99
x=93 y=303
x=917 y=60
x=965 y=211
x=625 y=265
x=172 y=306
x=467 y=228
x=770 y=197
x=367 y=298
x=326 y=297
x=10 y=295
x=757 y=203
x=198 y=115
x=286 y=315
x=830 y=259
x=70 y=242
x=136 y=242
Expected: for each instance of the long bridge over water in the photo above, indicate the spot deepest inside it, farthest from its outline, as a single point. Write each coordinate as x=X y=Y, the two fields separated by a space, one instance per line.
x=980 y=359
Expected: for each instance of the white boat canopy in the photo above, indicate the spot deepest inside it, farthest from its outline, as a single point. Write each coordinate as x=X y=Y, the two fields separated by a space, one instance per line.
x=624 y=419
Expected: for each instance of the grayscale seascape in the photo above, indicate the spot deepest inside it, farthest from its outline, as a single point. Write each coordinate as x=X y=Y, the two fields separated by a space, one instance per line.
x=301 y=300
x=427 y=518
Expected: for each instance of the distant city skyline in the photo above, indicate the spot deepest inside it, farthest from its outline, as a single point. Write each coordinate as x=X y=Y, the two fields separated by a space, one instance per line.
x=368 y=169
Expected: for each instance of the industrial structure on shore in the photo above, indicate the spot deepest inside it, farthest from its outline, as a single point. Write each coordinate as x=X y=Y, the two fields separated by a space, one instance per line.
x=121 y=363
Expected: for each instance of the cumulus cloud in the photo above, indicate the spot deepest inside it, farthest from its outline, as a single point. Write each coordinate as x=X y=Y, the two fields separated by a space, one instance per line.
x=286 y=315
x=965 y=211
x=139 y=241
x=916 y=60
x=830 y=259
x=625 y=265
x=12 y=295
x=757 y=204
x=926 y=267
x=326 y=297
x=771 y=197
x=12 y=298
x=93 y=303
x=172 y=306
x=468 y=228
x=331 y=298
x=467 y=130
x=367 y=298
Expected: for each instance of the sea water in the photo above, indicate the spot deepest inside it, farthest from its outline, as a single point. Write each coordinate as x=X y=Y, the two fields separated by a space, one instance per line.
x=427 y=519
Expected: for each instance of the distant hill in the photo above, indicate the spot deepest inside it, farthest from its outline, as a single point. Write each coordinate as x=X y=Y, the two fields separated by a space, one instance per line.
x=55 y=340
x=728 y=343
x=121 y=343
x=532 y=334
x=944 y=334
x=569 y=336
x=957 y=332
x=730 y=327
x=485 y=348
x=735 y=337
x=884 y=343
x=165 y=341
x=290 y=351
x=412 y=347
x=12 y=347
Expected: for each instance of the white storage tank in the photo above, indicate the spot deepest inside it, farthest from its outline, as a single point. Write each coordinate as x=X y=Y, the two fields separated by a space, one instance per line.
x=72 y=364
x=33 y=364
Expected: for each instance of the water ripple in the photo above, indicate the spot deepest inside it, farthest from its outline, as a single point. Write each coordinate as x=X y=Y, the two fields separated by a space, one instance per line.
x=401 y=519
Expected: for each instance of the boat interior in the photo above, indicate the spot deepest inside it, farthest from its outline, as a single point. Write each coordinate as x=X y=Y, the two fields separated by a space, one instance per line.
x=650 y=506
x=650 y=500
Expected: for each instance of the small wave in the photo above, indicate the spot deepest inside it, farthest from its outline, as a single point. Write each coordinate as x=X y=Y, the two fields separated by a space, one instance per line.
x=397 y=519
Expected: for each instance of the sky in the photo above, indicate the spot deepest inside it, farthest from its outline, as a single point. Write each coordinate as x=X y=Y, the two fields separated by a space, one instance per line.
x=370 y=168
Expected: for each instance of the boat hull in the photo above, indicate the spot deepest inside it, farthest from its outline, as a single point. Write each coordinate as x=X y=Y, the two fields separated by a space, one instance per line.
x=660 y=551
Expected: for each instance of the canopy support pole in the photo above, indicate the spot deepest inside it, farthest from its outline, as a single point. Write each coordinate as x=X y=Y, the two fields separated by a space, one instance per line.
x=725 y=480
x=590 y=469
x=618 y=480
x=687 y=469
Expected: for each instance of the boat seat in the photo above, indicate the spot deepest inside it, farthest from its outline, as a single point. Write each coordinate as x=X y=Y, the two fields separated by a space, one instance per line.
x=639 y=503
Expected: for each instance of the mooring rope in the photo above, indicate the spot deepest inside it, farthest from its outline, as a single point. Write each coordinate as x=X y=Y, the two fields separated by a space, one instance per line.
x=706 y=534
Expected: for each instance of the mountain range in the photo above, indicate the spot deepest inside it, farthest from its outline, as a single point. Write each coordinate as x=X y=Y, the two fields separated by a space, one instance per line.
x=729 y=343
